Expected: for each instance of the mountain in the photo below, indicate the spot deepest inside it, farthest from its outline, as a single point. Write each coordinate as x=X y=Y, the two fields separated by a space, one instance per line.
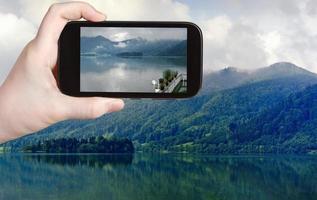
x=95 y=44
x=227 y=78
x=179 y=49
x=277 y=70
x=231 y=77
x=269 y=110
x=290 y=124
x=103 y=46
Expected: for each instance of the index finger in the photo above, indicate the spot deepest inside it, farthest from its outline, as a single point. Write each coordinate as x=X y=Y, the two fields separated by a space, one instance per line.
x=59 y=14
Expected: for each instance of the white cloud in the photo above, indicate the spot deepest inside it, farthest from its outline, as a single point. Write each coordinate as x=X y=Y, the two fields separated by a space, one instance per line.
x=271 y=42
x=258 y=33
x=245 y=34
x=121 y=45
x=22 y=18
x=120 y=36
x=151 y=34
x=34 y=10
x=231 y=43
x=143 y=9
x=14 y=34
x=217 y=29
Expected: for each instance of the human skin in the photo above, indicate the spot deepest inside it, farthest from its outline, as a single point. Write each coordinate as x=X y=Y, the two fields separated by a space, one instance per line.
x=30 y=99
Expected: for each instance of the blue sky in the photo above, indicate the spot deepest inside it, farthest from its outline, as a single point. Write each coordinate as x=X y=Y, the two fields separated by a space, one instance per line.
x=243 y=33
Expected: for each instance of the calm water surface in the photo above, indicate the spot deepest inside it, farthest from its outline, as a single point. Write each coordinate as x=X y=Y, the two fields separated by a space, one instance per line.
x=115 y=74
x=157 y=176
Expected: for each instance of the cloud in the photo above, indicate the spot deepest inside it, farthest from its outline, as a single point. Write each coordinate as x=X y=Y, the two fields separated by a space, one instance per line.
x=121 y=45
x=150 y=34
x=229 y=43
x=258 y=33
x=14 y=34
x=244 y=34
x=34 y=10
x=147 y=10
x=22 y=18
x=216 y=29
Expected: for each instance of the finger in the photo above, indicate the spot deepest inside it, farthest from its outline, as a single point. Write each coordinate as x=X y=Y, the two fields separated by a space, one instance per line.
x=59 y=14
x=89 y=108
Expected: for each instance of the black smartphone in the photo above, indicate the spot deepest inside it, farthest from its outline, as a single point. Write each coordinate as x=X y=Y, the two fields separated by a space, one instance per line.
x=130 y=59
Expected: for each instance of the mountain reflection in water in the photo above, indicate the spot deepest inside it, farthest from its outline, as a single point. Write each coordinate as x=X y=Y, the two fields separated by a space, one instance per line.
x=157 y=176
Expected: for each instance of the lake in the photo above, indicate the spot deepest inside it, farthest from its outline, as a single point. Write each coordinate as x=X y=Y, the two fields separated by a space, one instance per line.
x=157 y=176
x=119 y=74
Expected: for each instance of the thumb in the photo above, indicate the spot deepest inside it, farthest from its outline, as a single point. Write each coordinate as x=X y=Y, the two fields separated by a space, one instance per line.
x=89 y=108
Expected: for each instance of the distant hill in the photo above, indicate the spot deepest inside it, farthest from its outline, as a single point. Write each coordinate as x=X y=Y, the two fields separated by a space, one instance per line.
x=100 y=45
x=231 y=77
x=269 y=110
x=224 y=79
x=179 y=49
x=96 y=44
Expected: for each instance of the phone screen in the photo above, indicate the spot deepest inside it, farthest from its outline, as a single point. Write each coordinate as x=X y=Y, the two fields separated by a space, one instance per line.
x=133 y=59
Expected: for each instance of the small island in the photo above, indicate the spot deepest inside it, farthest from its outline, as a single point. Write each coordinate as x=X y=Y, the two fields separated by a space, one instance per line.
x=97 y=144
x=130 y=54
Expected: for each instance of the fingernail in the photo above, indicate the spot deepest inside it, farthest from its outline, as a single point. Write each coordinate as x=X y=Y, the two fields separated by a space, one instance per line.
x=120 y=103
x=116 y=105
x=104 y=15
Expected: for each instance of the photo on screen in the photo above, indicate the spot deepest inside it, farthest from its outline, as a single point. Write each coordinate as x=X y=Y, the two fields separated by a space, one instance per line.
x=138 y=60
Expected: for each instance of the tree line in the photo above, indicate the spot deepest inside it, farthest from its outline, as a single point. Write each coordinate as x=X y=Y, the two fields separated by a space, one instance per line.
x=97 y=144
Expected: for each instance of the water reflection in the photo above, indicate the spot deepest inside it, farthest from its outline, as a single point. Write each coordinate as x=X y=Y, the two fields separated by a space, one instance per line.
x=89 y=160
x=115 y=74
x=157 y=176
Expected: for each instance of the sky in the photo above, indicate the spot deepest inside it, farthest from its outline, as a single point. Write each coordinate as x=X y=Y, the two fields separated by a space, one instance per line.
x=121 y=34
x=245 y=34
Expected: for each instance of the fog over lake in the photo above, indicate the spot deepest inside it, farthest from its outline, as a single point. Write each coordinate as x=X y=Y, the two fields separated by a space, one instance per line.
x=113 y=74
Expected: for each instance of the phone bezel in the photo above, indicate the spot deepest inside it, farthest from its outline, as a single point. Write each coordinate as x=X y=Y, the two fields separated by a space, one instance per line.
x=69 y=59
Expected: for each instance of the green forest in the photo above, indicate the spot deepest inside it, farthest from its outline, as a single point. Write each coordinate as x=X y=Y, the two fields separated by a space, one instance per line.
x=269 y=110
x=98 y=144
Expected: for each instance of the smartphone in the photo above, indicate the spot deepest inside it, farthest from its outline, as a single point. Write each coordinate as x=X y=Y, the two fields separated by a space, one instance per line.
x=130 y=59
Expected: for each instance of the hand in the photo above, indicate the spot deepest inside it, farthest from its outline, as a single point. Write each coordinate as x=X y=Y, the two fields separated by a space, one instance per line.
x=29 y=98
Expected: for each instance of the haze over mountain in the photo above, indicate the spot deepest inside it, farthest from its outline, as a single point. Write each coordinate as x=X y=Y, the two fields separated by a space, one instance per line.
x=103 y=46
x=269 y=110
x=231 y=77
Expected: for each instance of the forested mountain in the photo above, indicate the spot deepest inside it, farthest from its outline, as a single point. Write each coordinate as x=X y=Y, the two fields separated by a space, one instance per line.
x=180 y=49
x=269 y=110
x=291 y=124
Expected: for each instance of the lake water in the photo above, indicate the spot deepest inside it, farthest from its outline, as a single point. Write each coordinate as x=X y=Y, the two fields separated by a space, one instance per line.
x=157 y=176
x=117 y=74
